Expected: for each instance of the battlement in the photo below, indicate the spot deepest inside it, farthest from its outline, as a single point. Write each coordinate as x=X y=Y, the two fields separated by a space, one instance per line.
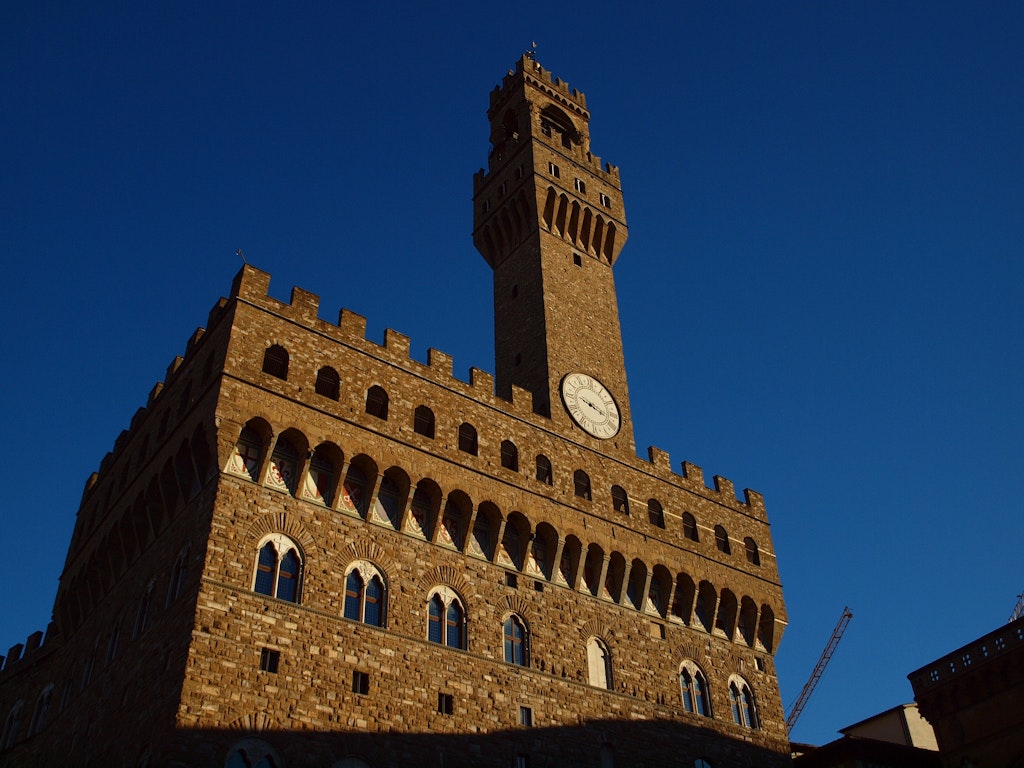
x=252 y=285
x=528 y=68
x=21 y=651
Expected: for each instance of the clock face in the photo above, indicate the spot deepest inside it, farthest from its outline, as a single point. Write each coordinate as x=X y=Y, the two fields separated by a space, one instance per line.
x=591 y=405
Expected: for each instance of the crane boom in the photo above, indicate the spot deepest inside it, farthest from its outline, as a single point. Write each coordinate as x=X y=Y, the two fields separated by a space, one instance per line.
x=819 y=669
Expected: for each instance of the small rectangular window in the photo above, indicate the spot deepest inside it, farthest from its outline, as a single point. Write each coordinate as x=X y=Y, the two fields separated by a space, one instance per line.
x=446 y=703
x=580 y=185
x=360 y=682
x=269 y=660
x=526 y=717
x=606 y=201
x=577 y=260
x=502 y=188
x=539 y=586
x=512 y=580
x=519 y=172
x=553 y=170
x=487 y=205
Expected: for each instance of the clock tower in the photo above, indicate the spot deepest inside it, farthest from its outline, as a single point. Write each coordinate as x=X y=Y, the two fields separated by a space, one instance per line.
x=549 y=219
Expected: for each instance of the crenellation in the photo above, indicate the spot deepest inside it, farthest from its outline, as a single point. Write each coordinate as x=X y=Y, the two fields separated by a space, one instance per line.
x=659 y=459
x=154 y=393
x=304 y=305
x=398 y=344
x=137 y=417
x=34 y=641
x=725 y=488
x=173 y=367
x=216 y=312
x=251 y=284
x=441 y=363
x=352 y=325
x=522 y=402
x=482 y=381
x=13 y=655
x=197 y=334
x=694 y=474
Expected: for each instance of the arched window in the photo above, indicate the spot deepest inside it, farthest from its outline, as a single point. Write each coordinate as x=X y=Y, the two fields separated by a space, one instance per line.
x=655 y=513
x=284 y=466
x=581 y=484
x=423 y=421
x=516 y=646
x=245 y=460
x=750 y=547
x=620 y=499
x=275 y=361
x=690 y=527
x=177 y=583
x=544 y=473
x=278 y=568
x=11 y=726
x=599 y=664
x=509 y=455
x=467 y=439
x=142 y=612
x=41 y=711
x=320 y=478
x=354 y=490
x=446 y=623
x=693 y=686
x=377 y=402
x=741 y=699
x=365 y=595
x=328 y=383
x=722 y=540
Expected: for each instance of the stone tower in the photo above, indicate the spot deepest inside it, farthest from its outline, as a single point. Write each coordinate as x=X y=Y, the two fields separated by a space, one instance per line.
x=550 y=221
x=310 y=549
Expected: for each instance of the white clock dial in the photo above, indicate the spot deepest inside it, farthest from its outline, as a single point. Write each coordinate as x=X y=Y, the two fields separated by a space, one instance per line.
x=591 y=405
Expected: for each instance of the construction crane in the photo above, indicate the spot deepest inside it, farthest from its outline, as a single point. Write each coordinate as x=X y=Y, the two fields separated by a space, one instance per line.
x=819 y=669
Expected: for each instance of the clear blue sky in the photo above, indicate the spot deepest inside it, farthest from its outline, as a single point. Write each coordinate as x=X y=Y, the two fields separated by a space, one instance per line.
x=821 y=294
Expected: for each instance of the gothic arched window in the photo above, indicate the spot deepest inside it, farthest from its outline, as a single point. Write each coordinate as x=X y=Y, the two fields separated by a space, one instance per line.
x=741 y=699
x=446 y=623
x=365 y=595
x=693 y=686
x=278 y=568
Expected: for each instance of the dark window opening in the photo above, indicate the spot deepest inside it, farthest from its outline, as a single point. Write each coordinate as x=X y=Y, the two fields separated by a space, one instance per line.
x=467 y=439
x=509 y=455
x=275 y=361
x=269 y=660
x=377 y=402
x=328 y=383
x=360 y=682
x=423 y=422
x=446 y=703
